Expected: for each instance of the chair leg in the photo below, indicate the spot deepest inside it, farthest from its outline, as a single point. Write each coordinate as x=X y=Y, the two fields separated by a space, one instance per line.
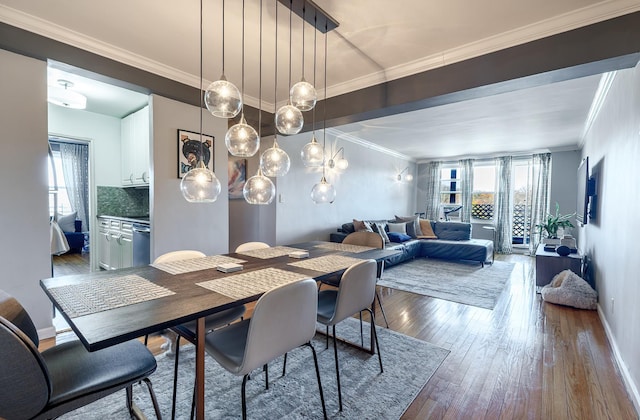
x=327 y=337
x=175 y=378
x=375 y=336
x=284 y=365
x=335 y=352
x=129 y=391
x=146 y=339
x=361 y=335
x=244 y=397
x=315 y=361
x=153 y=398
x=384 y=315
x=265 y=368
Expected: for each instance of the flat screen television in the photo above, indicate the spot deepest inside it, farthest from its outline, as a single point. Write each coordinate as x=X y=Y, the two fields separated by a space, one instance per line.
x=582 y=207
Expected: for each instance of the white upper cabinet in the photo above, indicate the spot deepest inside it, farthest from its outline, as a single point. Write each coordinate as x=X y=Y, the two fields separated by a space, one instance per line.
x=134 y=137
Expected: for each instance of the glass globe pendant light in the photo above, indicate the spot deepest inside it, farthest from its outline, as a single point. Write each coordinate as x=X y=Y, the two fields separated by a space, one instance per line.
x=288 y=118
x=275 y=161
x=259 y=189
x=241 y=139
x=223 y=97
x=200 y=185
x=312 y=154
x=303 y=95
x=323 y=192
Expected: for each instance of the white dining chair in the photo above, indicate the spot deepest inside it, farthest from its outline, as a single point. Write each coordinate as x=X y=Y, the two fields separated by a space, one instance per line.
x=250 y=246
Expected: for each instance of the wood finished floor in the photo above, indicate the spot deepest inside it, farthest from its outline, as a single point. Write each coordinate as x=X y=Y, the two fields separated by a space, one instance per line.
x=525 y=359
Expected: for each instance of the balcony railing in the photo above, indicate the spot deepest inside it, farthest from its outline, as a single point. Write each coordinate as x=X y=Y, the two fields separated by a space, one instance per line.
x=521 y=220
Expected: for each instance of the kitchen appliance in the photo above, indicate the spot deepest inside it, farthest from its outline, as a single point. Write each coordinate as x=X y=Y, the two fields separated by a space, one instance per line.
x=141 y=244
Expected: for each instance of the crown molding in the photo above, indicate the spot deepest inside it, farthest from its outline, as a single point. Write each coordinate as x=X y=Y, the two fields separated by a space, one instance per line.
x=596 y=105
x=367 y=144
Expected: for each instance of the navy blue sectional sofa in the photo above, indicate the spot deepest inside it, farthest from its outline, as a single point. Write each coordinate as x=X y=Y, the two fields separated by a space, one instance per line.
x=454 y=242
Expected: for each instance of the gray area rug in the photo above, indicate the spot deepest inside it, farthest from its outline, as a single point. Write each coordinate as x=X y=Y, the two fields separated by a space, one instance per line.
x=366 y=393
x=461 y=282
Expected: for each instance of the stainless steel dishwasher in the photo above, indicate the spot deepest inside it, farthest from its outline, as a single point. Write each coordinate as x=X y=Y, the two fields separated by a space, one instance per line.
x=141 y=244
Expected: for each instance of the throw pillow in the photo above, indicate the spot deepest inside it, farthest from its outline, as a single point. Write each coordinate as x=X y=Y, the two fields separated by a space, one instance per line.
x=380 y=228
x=397 y=228
x=67 y=222
x=361 y=225
x=427 y=230
x=413 y=226
x=398 y=237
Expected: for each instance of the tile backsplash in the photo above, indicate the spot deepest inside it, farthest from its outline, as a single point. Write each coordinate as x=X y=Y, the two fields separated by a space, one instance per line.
x=115 y=201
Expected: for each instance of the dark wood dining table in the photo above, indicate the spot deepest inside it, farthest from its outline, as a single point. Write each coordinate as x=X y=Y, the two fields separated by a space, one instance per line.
x=188 y=301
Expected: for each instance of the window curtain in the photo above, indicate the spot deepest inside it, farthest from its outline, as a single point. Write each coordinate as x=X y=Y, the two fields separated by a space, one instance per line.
x=466 y=166
x=432 y=190
x=75 y=169
x=503 y=206
x=541 y=188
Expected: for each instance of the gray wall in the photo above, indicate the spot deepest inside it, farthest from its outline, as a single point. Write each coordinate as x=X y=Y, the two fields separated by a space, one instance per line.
x=25 y=251
x=564 y=184
x=613 y=148
x=368 y=189
x=175 y=223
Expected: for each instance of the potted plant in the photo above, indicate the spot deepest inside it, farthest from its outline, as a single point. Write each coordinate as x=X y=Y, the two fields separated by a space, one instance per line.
x=549 y=229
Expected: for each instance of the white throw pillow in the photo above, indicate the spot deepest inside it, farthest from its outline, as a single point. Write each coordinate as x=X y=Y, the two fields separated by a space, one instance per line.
x=67 y=222
x=398 y=227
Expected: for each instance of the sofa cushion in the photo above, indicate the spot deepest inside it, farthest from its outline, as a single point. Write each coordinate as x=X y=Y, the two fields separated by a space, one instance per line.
x=473 y=249
x=67 y=222
x=361 y=225
x=427 y=230
x=453 y=231
x=397 y=227
x=413 y=226
x=398 y=237
x=347 y=228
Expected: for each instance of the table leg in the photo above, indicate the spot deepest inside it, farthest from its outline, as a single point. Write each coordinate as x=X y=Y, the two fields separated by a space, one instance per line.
x=200 y=369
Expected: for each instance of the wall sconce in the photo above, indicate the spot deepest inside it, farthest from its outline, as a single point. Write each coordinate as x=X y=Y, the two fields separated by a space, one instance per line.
x=408 y=177
x=340 y=164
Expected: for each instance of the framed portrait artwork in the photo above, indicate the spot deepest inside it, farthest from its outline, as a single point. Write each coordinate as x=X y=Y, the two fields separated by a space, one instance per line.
x=189 y=149
x=237 y=177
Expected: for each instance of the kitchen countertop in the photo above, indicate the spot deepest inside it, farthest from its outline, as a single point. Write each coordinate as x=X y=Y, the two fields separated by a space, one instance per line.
x=133 y=219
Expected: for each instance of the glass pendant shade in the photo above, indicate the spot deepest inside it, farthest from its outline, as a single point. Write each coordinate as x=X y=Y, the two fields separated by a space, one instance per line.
x=303 y=95
x=242 y=140
x=275 y=161
x=323 y=192
x=223 y=99
x=200 y=185
x=259 y=189
x=289 y=120
x=311 y=154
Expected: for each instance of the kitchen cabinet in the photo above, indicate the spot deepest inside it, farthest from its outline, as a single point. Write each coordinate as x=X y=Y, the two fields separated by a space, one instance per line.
x=134 y=147
x=115 y=244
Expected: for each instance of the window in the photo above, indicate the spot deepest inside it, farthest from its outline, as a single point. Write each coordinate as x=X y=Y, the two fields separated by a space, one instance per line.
x=450 y=183
x=522 y=190
x=58 y=201
x=484 y=188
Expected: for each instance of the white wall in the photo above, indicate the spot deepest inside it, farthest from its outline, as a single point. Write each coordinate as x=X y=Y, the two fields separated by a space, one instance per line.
x=368 y=189
x=564 y=184
x=102 y=130
x=177 y=224
x=613 y=148
x=25 y=255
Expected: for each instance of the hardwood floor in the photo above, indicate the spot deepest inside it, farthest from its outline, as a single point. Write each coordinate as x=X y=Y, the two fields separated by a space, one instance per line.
x=523 y=359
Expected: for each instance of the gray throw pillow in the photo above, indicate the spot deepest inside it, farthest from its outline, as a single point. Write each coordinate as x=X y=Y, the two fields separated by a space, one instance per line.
x=67 y=222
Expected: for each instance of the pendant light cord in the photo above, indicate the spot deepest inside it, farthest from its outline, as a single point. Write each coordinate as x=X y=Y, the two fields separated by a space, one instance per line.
x=200 y=89
x=260 y=79
x=243 y=57
x=324 y=110
x=315 y=33
x=222 y=37
x=304 y=10
x=290 y=39
x=275 y=89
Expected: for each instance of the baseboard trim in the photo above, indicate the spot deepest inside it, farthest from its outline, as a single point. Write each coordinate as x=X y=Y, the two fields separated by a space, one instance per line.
x=48 y=332
x=632 y=389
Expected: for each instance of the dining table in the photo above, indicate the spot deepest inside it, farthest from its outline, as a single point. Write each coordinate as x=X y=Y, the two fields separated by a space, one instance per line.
x=110 y=307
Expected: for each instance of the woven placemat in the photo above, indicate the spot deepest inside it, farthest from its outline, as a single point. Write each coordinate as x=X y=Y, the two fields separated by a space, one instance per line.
x=327 y=263
x=196 y=264
x=240 y=286
x=335 y=246
x=106 y=293
x=272 y=252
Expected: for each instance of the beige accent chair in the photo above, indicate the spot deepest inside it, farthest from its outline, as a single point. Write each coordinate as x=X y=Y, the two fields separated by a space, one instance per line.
x=250 y=246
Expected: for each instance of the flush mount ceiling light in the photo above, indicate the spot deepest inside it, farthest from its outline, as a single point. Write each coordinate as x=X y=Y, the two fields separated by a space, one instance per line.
x=62 y=95
x=288 y=118
x=303 y=95
x=222 y=97
x=259 y=189
x=200 y=185
x=242 y=140
x=408 y=177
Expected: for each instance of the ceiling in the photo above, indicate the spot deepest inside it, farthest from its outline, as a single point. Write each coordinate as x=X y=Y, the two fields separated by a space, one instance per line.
x=373 y=44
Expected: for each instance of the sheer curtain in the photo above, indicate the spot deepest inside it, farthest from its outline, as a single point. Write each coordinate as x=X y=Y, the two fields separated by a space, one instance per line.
x=466 y=166
x=75 y=169
x=541 y=187
x=432 y=190
x=504 y=208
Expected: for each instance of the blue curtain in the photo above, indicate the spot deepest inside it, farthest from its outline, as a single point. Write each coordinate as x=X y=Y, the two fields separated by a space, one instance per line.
x=503 y=212
x=432 y=190
x=75 y=169
x=466 y=166
x=541 y=186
